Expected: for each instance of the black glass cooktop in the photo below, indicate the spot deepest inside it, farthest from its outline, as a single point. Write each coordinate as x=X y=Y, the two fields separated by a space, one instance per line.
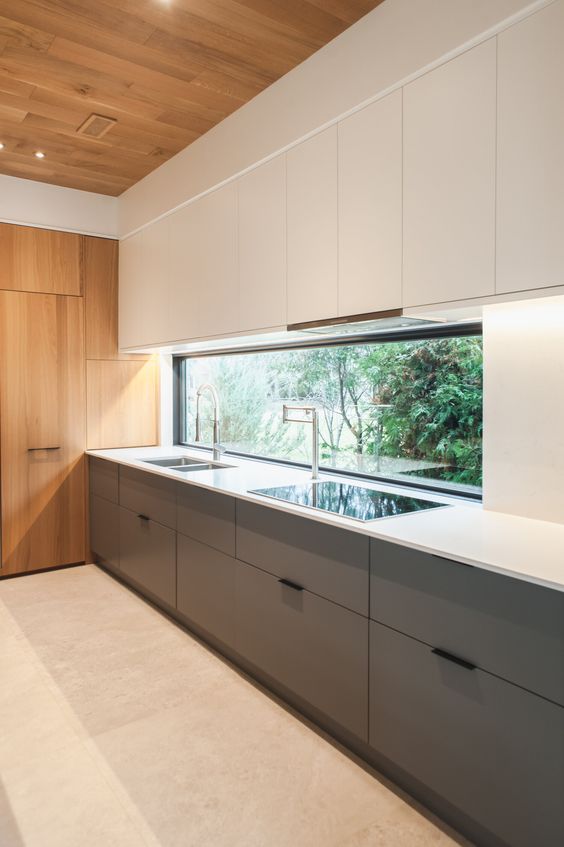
x=351 y=501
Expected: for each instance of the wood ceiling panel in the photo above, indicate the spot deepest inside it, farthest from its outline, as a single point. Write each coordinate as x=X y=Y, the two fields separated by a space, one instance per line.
x=166 y=72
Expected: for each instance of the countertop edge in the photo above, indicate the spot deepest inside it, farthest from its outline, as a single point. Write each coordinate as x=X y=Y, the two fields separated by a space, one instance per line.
x=369 y=529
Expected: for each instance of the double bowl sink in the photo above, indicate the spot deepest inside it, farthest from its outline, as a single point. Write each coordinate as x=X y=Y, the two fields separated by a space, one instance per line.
x=186 y=465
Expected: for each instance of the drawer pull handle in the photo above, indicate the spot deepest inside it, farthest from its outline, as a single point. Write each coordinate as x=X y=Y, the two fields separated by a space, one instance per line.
x=37 y=449
x=143 y=517
x=290 y=584
x=455 y=659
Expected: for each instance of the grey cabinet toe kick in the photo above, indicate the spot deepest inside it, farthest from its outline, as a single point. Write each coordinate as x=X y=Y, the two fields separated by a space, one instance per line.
x=449 y=679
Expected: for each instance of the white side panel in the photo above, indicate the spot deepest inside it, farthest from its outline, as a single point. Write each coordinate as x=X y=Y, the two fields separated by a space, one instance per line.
x=524 y=408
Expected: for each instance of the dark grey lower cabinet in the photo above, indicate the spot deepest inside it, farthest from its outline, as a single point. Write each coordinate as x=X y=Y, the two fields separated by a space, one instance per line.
x=488 y=747
x=311 y=646
x=206 y=588
x=104 y=529
x=148 y=555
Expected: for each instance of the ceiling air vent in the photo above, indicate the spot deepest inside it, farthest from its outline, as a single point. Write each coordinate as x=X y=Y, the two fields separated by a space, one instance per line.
x=96 y=126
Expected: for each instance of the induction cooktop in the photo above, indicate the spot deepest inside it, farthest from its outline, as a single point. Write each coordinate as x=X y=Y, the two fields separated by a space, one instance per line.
x=351 y=501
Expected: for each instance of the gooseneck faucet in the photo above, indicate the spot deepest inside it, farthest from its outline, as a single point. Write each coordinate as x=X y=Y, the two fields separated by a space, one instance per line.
x=217 y=448
x=311 y=417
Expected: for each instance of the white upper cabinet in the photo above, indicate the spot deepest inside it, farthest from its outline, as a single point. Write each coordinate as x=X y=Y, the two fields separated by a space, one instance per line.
x=370 y=208
x=262 y=246
x=449 y=180
x=144 y=286
x=184 y=323
x=204 y=283
x=312 y=220
x=530 y=216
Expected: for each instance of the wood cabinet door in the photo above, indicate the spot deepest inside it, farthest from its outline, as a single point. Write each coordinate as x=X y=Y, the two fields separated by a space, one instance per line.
x=40 y=260
x=42 y=430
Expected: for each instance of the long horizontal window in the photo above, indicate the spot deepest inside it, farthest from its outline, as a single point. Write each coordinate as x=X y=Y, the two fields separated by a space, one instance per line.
x=409 y=411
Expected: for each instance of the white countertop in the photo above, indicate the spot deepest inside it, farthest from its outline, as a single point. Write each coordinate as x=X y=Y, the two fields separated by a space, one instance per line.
x=525 y=549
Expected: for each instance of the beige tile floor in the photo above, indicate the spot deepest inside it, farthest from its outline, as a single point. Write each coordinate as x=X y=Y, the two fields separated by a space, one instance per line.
x=118 y=729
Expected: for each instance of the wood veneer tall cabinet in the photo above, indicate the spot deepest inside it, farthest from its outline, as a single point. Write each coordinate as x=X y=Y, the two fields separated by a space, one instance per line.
x=42 y=430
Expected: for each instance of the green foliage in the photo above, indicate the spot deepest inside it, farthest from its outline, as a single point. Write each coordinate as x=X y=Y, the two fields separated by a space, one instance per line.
x=403 y=406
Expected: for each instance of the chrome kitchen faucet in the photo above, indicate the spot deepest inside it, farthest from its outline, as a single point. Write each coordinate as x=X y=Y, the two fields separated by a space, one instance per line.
x=312 y=417
x=217 y=448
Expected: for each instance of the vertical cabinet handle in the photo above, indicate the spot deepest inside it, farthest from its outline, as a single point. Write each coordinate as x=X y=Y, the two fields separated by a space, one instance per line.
x=443 y=654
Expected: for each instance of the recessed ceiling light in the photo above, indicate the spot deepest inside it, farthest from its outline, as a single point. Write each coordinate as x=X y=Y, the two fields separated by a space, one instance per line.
x=1 y=146
x=39 y=155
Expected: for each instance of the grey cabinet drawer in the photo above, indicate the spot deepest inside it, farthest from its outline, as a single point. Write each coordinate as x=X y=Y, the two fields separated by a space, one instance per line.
x=508 y=627
x=206 y=588
x=206 y=516
x=313 y=647
x=103 y=478
x=148 y=555
x=488 y=747
x=104 y=529
x=148 y=494
x=328 y=561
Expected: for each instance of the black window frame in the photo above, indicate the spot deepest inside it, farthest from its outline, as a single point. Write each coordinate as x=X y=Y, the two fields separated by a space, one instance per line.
x=435 y=331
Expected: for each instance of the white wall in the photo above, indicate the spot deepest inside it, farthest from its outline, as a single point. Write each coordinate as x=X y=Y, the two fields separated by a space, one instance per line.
x=393 y=43
x=24 y=201
x=524 y=408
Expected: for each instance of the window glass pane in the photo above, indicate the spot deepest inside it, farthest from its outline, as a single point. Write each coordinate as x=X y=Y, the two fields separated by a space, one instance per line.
x=411 y=409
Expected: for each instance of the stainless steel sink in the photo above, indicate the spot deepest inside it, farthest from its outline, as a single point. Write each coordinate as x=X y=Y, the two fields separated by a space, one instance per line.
x=184 y=464
x=208 y=466
x=175 y=462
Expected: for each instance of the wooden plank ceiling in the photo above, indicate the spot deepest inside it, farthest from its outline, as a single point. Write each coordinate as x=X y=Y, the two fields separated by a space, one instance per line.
x=165 y=70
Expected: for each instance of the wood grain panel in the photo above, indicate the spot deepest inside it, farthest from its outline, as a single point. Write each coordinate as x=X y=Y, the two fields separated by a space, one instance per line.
x=40 y=260
x=166 y=72
x=42 y=401
x=121 y=404
x=100 y=259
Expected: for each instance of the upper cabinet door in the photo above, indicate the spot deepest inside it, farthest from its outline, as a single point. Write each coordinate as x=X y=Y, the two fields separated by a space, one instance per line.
x=312 y=217
x=370 y=208
x=262 y=246
x=144 y=297
x=449 y=180
x=205 y=289
x=530 y=211
x=40 y=260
